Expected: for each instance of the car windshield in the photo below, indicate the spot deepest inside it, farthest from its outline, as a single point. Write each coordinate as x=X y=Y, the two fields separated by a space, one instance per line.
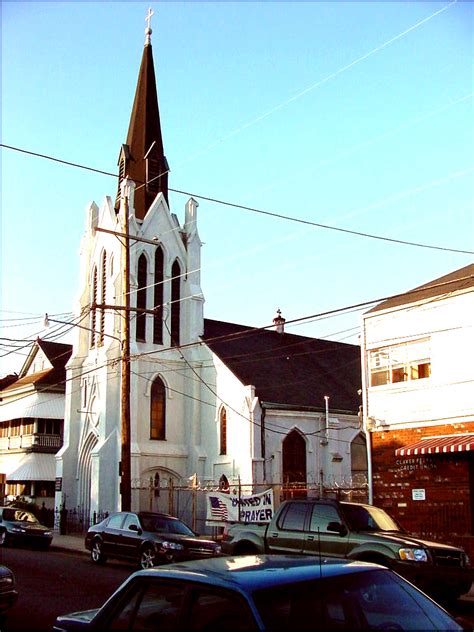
x=369 y=600
x=18 y=515
x=161 y=524
x=362 y=518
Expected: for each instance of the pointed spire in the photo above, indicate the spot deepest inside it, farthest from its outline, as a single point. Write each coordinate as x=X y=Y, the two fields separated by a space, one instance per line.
x=143 y=159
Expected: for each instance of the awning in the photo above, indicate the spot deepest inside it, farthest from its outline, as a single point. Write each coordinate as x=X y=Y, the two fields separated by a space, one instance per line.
x=34 y=467
x=44 y=405
x=446 y=444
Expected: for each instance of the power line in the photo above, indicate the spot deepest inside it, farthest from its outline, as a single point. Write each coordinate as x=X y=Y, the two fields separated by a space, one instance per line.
x=271 y=213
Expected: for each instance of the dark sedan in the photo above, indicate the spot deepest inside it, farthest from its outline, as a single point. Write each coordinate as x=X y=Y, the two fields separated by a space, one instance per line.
x=264 y=592
x=18 y=526
x=8 y=592
x=147 y=538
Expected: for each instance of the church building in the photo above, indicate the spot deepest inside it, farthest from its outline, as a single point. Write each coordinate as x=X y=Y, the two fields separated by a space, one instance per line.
x=208 y=400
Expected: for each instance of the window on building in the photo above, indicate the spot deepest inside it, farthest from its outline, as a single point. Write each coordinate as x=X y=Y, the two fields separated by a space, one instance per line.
x=175 y=303
x=93 y=318
x=223 y=431
x=400 y=363
x=141 y=298
x=158 y=298
x=49 y=426
x=103 y=288
x=158 y=410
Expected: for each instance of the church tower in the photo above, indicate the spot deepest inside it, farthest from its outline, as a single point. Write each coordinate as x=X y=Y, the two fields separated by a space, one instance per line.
x=164 y=321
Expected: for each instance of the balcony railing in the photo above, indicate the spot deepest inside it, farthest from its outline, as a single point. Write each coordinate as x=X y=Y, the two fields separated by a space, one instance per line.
x=23 y=442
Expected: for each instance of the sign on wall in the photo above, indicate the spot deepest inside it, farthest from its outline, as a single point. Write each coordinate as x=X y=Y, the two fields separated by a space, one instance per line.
x=418 y=494
x=222 y=508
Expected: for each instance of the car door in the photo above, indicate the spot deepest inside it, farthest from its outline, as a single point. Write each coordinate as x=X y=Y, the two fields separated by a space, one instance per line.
x=131 y=536
x=111 y=535
x=289 y=534
x=322 y=536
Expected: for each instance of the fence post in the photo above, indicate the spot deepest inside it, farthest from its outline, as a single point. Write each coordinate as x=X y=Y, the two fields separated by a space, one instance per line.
x=63 y=520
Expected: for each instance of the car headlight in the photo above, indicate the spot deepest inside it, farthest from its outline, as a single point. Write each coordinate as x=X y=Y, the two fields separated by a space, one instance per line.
x=413 y=555
x=18 y=530
x=48 y=533
x=218 y=549
x=172 y=546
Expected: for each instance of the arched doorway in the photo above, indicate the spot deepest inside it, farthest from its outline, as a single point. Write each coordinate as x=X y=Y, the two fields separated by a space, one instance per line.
x=294 y=465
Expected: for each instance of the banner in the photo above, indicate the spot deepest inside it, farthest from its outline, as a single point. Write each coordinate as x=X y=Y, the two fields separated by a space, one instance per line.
x=222 y=508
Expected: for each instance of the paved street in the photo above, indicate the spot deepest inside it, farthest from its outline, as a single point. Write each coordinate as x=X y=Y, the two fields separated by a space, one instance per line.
x=57 y=582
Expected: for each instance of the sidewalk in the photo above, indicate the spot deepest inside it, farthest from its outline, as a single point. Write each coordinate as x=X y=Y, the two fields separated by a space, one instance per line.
x=69 y=543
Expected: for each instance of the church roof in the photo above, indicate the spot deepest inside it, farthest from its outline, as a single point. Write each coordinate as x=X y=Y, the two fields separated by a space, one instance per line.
x=143 y=155
x=289 y=370
x=461 y=279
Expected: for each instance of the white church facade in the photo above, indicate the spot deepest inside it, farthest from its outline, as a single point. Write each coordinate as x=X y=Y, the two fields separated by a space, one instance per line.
x=207 y=399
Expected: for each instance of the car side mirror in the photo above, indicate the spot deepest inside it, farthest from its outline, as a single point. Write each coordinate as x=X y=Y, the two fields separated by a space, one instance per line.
x=135 y=527
x=337 y=527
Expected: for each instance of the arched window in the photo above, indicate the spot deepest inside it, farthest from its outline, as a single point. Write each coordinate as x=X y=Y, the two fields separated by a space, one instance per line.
x=223 y=431
x=224 y=484
x=359 y=467
x=158 y=410
x=140 y=331
x=175 y=303
x=93 y=319
x=158 y=298
x=103 y=290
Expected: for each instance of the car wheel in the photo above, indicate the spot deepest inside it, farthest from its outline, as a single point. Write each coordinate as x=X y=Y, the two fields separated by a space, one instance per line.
x=3 y=537
x=96 y=553
x=147 y=557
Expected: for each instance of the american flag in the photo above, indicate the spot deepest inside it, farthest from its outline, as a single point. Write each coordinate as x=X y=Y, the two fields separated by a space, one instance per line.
x=218 y=508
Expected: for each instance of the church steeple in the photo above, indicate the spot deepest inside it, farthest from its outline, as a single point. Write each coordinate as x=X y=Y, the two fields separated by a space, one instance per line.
x=143 y=158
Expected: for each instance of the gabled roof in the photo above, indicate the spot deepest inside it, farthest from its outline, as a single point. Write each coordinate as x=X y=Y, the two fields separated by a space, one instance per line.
x=289 y=370
x=458 y=280
x=50 y=378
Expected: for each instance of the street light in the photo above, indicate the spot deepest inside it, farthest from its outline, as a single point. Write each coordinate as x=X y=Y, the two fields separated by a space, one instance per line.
x=47 y=320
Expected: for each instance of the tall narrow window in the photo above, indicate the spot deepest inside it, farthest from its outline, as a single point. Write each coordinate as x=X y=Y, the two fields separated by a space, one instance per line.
x=141 y=298
x=158 y=298
x=175 y=303
x=223 y=431
x=158 y=410
x=103 y=289
x=93 y=319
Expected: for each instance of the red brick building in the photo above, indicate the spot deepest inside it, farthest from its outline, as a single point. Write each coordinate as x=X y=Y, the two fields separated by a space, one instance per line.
x=418 y=391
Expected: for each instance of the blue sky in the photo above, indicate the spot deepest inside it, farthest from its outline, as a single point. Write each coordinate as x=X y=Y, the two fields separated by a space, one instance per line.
x=353 y=115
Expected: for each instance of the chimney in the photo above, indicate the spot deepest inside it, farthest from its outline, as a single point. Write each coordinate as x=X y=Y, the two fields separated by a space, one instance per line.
x=279 y=322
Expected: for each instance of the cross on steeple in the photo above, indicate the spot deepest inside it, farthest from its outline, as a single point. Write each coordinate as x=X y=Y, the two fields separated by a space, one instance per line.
x=148 y=30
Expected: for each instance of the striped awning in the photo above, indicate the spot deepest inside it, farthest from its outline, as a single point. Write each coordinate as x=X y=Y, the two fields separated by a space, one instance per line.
x=34 y=467
x=446 y=444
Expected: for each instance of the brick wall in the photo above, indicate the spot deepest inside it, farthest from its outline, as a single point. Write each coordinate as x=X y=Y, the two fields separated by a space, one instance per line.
x=445 y=513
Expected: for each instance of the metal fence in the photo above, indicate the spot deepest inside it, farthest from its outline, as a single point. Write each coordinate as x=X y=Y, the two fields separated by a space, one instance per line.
x=189 y=503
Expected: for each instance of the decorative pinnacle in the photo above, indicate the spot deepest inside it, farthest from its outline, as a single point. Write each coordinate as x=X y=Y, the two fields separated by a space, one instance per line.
x=148 y=30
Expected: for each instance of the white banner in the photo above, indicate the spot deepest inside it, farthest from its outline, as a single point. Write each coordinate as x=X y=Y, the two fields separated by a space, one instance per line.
x=222 y=508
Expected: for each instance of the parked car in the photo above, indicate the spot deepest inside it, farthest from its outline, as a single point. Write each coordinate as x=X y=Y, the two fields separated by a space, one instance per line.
x=8 y=592
x=18 y=526
x=146 y=538
x=264 y=592
x=359 y=532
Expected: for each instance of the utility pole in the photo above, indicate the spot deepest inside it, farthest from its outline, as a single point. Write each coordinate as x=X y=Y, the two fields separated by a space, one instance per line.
x=125 y=464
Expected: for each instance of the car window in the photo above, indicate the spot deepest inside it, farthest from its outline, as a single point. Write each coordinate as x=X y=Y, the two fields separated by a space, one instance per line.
x=213 y=610
x=294 y=517
x=154 y=606
x=356 y=601
x=161 y=524
x=115 y=521
x=18 y=515
x=321 y=516
x=130 y=520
